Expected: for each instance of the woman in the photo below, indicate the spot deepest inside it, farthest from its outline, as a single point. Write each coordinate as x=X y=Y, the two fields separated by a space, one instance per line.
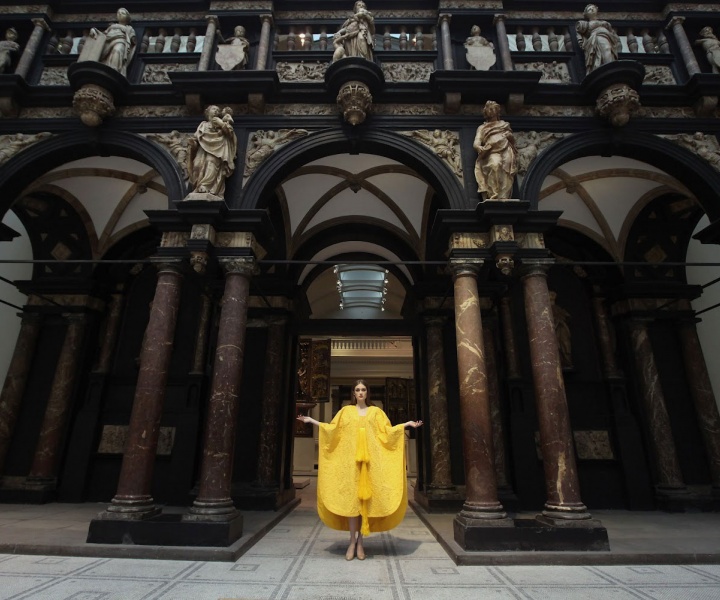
x=362 y=486
x=355 y=37
x=120 y=42
x=496 y=164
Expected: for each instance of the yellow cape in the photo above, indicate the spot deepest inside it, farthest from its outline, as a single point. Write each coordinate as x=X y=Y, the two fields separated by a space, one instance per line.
x=361 y=471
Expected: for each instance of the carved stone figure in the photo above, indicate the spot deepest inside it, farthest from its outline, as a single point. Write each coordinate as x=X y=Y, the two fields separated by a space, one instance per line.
x=118 y=43
x=529 y=146
x=11 y=144
x=263 y=143
x=177 y=144
x=496 y=164
x=711 y=45
x=445 y=144
x=480 y=53
x=211 y=154
x=705 y=147
x=233 y=55
x=8 y=47
x=599 y=41
x=355 y=37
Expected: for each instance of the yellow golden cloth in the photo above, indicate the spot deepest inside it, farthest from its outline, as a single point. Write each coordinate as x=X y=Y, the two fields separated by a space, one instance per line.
x=361 y=471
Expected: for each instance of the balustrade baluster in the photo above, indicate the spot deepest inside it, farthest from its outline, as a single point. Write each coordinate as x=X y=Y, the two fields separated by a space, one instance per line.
x=553 y=41
x=403 y=38
x=145 y=41
x=418 y=40
x=323 y=38
x=632 y=41
x=291 y=39
x=66 y=44
x=536 y=39
x=160 y=40
x=192 y=40
x=176 y=39
x=648 y=42
x=520 y=39
x=387 y=38
x=662 y=42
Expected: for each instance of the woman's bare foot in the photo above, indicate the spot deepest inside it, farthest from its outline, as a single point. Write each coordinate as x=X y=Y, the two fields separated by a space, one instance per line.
x=350 y=554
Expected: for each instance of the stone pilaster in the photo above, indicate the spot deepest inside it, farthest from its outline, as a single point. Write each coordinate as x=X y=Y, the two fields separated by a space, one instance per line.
x=213 y=502
x=210 y=32
x=505 y=57
x=501 y=473
x=605 y=338
x=133 y=499
x=109 y=338
x=556 y=443
x=691 y=63
x=16 y=379
x=264 y=45
x=31 y=48
x=198 y=366
x=448 y=62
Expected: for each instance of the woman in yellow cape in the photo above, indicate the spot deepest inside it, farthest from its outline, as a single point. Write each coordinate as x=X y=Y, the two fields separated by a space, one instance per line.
x=362 y=486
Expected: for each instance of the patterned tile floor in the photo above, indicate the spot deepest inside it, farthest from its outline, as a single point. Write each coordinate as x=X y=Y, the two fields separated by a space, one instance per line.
x=302 y=559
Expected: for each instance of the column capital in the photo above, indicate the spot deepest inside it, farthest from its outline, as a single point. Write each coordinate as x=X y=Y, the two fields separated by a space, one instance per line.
x=499 y=17
x=266 y=18
x=241 y=265
x=464 y=267
x=40 y=22
x=677 y=20
x=212 y=19
x=169 y=265
x=444 y=18
x=537 y=266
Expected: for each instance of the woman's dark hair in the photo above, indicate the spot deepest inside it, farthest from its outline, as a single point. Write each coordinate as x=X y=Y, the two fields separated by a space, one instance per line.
x=353 y=400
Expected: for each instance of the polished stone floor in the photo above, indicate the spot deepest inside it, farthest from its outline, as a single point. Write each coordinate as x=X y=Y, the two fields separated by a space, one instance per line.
x=300 y=558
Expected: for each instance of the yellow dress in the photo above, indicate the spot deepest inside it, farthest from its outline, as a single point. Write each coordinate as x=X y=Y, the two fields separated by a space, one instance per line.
x=361 y=471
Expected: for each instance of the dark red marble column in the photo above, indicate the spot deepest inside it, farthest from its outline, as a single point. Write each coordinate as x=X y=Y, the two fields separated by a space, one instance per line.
x=556 y=443
x=213 y=502
x=133 y=499
x=44 y=467
x=703 y=398
x=201 y=337
x=440 y=475
x=495 y=412
x=272 y=401
x=14 y=386
x=605 y=338
x=669 y=474
x=481 y=500
x=109 y=336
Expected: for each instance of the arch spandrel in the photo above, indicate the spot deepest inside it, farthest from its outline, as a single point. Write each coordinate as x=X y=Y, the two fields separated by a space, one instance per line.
x=700 y=178
x=391 y=145
x=22 y=169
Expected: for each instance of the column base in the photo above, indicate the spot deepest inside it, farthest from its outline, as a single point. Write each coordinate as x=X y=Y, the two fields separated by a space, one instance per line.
x=674 y=499
x=165 y=530
x=531 y=535
x=24 y=490
x=438 y=500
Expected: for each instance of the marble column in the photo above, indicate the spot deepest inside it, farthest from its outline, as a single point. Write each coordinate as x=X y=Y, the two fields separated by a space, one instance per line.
x=31 y=48
x=213 y=502
x=605 y=338
x=512 y=362
x=132 y=499
x=440 y=475
x=504 y=46
x=691 y=63
x=109 y=338
x=556 y=443
x=198 y=366
x=268 y=447
x=498 y=431
x=209 y=44
x=706 y=407
x=14 y=387
x=264 y=45
x=448 y=62
x=481 y=500
x=667 y=464
x=47 y=451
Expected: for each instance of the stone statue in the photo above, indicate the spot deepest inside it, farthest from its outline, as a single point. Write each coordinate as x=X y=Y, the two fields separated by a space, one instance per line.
x=263 y=143
x=496 y=164
x=118 y=43
x=211 y=154
x=177 y=144
x=562 y=317
x=599 y=42
x=480 y=53
x=233 y=55
x=8 y=47
x=355 y=37
x=711 y=45
x=445 y=144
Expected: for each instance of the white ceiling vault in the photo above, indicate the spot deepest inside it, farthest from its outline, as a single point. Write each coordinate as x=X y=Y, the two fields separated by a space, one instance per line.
x=599 y=196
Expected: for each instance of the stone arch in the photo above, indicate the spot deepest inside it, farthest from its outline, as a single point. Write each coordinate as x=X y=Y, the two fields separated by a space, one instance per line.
x=700 y=178
x=22 y=169
x=324 y=143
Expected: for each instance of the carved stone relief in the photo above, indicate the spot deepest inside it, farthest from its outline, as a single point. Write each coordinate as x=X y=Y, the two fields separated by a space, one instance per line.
x=37 y=112
x=300 y=109
x=531 y=143
x=262 y=144
x=705 y=146
x=551 y=72
x=469 y=240
x=177 y=144
x=12 y=144
x=320 y=15
x=407 y=71
x=658 y=75
x=301 y=71
x=158 y=73
x=408 y=109
x=445 y=144
x=54 y=76
x=556 y=111
x=162 y=111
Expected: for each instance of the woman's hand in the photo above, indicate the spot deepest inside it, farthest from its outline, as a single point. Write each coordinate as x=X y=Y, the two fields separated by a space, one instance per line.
x=306 y=419
x=413 y=424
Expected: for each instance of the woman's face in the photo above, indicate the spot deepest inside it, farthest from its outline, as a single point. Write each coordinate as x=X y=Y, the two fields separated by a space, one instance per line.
x=360 y=392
